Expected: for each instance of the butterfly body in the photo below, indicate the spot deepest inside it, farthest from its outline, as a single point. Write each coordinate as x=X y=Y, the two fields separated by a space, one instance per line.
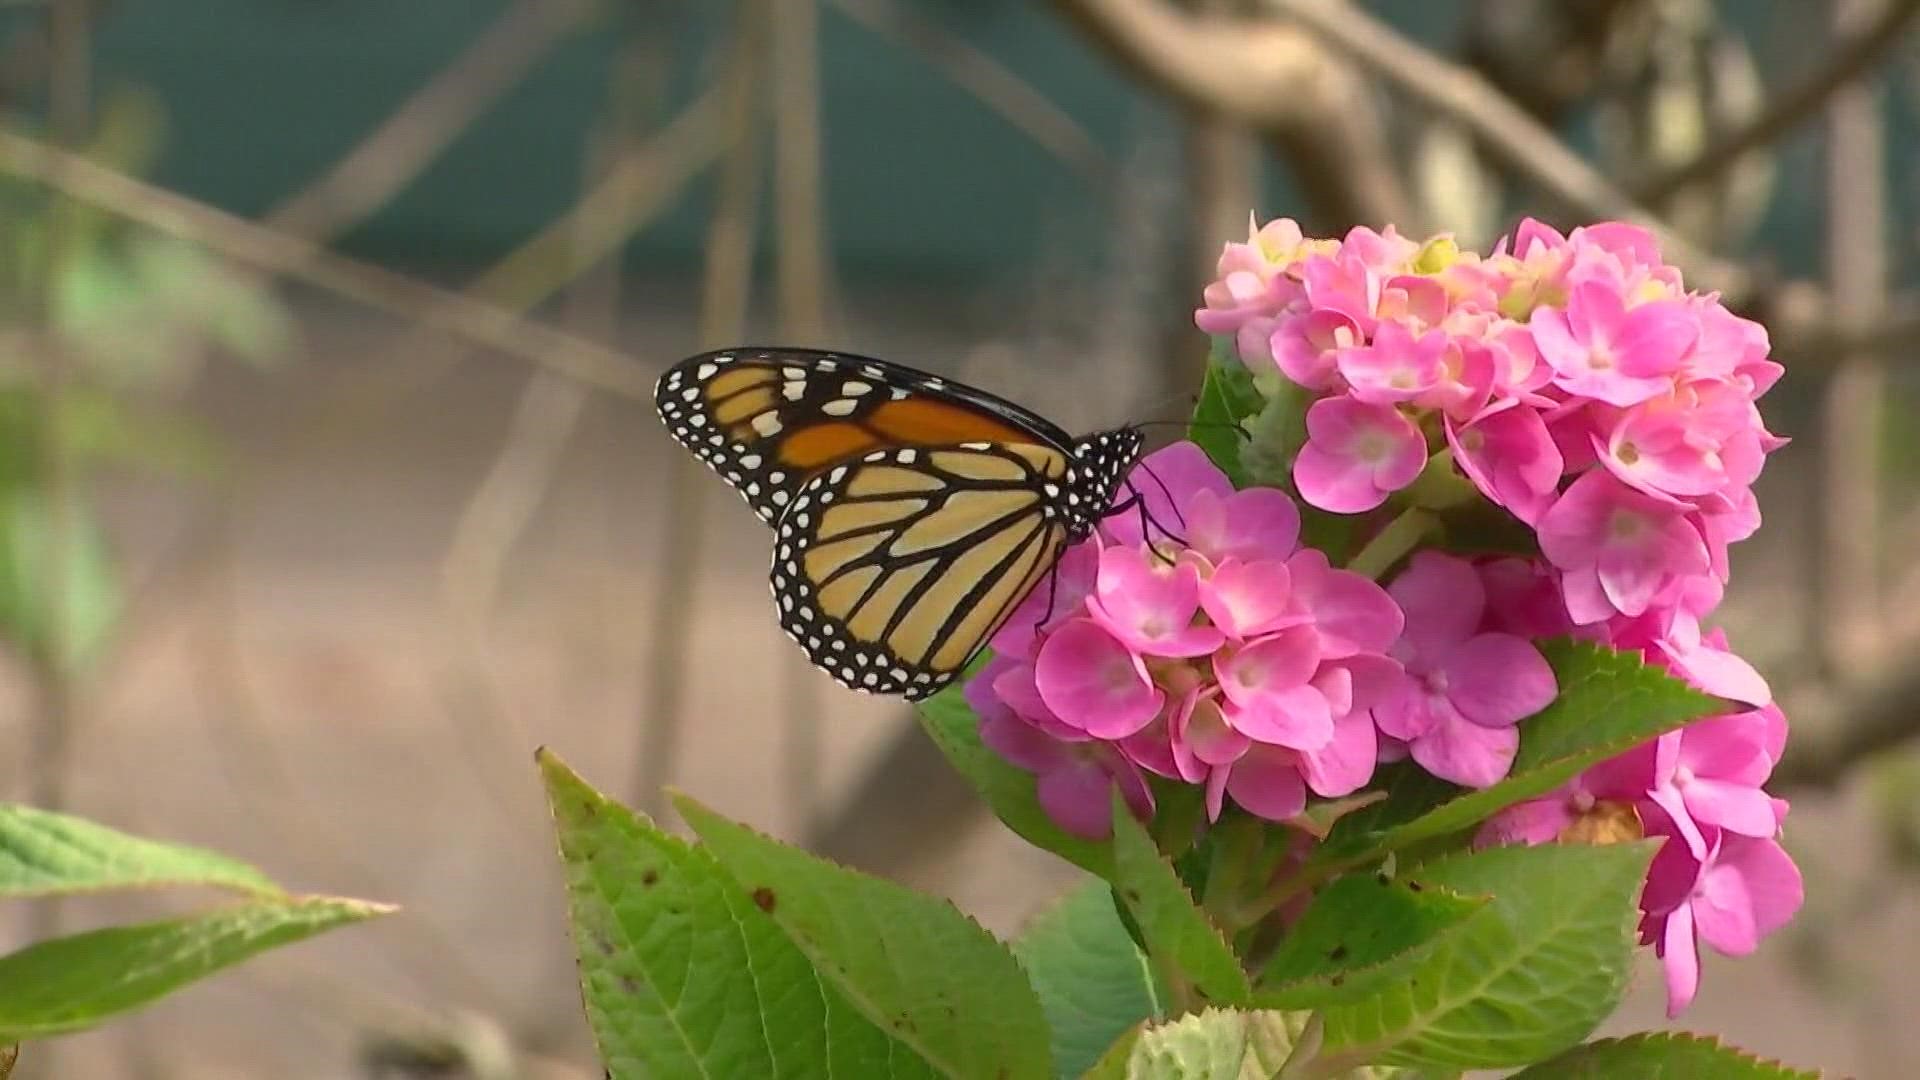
x=911 y=513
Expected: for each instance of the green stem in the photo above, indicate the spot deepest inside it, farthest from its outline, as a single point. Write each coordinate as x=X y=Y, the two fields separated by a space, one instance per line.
x=1400 y=536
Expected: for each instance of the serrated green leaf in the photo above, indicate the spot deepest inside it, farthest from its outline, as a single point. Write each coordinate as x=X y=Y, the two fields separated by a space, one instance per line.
x=1093 y=983
x=1173 y=925
x=72 y=983
x=47 y=854
x=1609 y=702
x=1663 y=1055
x=681 y=976
x=1360 y=932
x=1218 y=1044
x=912 y=964
x=1008 y=791
x=1527 y=976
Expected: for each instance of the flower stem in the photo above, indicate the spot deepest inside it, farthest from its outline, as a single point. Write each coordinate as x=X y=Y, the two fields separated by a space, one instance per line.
x=1399 y=537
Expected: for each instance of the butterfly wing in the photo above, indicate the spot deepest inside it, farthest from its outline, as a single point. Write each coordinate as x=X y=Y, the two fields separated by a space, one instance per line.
x=768 y=420
x=894 y=569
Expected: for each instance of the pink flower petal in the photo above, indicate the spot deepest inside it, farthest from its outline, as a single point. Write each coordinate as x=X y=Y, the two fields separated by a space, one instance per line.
x=1296 y=717
x=1181 y=468
x=1246 y=599
x=1536 y=821
x=1497 y=679
x=1252 y=525
x=1356 y=455
x=1680 y=960
x=1345 y=763
x=1443 y=601
x=1267 y=783
x=1454 y=748
x=1091 y=681
x=1352 y=614
x=1273 y=663
x=1731 y=806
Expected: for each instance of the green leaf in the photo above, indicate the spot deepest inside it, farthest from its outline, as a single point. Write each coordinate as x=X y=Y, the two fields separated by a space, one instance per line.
x=912 y=964
x=1218 y=1044
x=1094 y=984
x=1360 y=932
x=681 y=975
x=28 y=591
x=1175 y=929
x=1609 y=702
x=72 y=983
x=1527 y=976
x=46 y=854
x=1007 y=790
x=1227 y=397
x=1666 y=1055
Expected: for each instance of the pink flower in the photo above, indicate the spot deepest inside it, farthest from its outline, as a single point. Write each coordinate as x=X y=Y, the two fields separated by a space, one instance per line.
x=1700 y=439
x=1523 y=597
x=1092 y=682
x=1306 y=346
x=1269 y=698
x=1739 y=890
x=1396 y=367
x=1351 y=614
x=1356 y=455
x=1709 y=773
x=1246 y=599
x=1511 y=458
x=1149 y=606
x=1600 y=348
x=1468 y=689
x=1073 y=781
x=1617 y=548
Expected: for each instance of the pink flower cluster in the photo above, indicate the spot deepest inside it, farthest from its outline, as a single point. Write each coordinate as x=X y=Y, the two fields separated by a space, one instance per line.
x=1721 y=876
x=1574 y=381
x=1197 y=641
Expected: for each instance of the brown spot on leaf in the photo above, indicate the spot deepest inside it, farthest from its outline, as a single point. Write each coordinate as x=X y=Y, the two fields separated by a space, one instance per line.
x=764 y=899
x=1338 y=953
x=1339 y=979
x=629 y=984
x=649 y=876
x=1414 y=886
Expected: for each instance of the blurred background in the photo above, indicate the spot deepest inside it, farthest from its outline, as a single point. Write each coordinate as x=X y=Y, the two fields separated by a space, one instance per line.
x=329 y=488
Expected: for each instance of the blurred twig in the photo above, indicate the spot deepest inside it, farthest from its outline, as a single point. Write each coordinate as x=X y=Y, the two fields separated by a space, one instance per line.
x=374 y=171
x=1510 y=135
x=1868 y=717
x=723 y=315
x=1271 y=77
x=68 y=93
x=995 y=85
x=245 y=241
x=1848 y=61
x=1845 y=570
x=801 y=283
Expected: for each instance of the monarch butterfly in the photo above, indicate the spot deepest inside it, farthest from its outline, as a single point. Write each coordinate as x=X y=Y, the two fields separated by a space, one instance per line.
x=911 y=513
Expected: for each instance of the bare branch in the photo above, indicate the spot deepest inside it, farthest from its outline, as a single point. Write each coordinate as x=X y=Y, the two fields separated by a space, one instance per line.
x=1869 y=718
x=398 y=294
x=395 y=152
x=1510 y=135
x=1272 y=78
x=1850 y=60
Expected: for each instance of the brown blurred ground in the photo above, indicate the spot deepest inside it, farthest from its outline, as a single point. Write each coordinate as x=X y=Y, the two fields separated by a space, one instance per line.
x=300 y=695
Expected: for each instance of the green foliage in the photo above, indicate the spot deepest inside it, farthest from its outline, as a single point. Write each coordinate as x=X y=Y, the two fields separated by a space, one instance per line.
x=72 y=983
x=1218 y=1044
x=1360 y=933
x=46 y=854
x=1227 y=398
x=1094 y=983
x=1173 y=926
x=1661 y=1056
x=1525 y=977
x=1609 y=702
x=682 y=975
x=1008 y=791
x=75 y=596
x=912 y=964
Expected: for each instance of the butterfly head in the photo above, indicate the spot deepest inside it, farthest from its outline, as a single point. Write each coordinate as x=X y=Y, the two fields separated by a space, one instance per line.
x=1100 y=463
